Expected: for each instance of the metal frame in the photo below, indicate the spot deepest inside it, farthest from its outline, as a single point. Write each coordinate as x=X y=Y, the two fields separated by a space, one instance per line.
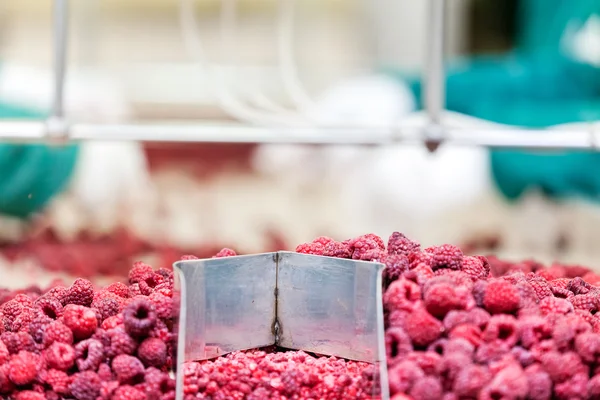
x=57 y=125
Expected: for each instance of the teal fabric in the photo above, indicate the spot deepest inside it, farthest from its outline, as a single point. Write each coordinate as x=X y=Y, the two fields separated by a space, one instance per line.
x=536 y=86
x=31 y=174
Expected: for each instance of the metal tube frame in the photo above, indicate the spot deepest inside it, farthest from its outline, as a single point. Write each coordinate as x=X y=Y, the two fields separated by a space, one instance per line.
x=219 y=132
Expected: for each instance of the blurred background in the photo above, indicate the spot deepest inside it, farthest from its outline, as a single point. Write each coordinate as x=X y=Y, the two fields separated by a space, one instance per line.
x=128 y=60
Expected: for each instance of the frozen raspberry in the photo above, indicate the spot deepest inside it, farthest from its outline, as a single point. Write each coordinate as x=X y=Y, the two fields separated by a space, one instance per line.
x=574 y=388
x=106 y=308
x=403 y=375
x=120 y=342
x=10 y=311
x=50 y=306
x=127 y=392
x=509 y=383
x=445 y=256
x=401 y=295
x=476 y=316
x=58 y=380
x=23 y=367
x=57 y=292
x=502 y=329
x=316 y=249
x=469 y=332
x=587 y=346
x=152 y=352
x=533 y=330
x=127 y=368
x=470 y=380
x=540 y=285
x=562 y=366
x=422 y=327
x=80 y=293
x=60 y=356
x=162 y=304
x=501 y=297
x=443 y=298
x=427 y=361
x=139 y=271
x=419 y=258
x=397 y=344
x=420 y=274
x=554 y=305
x=362 y=247
x=112 y=322
x=395 y=266
x=17 y=341
x=89 y=353
x=562 y=293
x=578 y=286
x=588 y=302
x=56 y=331
x=30 y=395
x=27 y=315
x=400 y=244
x=81 y=320
x=85 y=385
x=4 y=353
x=478 y=291
x=139 y=317
x=593 y=387
x=337 y=250
x=426 y=388
x=476 y=267
x=118 y=288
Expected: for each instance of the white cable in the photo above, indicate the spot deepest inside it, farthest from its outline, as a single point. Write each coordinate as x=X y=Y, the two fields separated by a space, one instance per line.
x=287 y=61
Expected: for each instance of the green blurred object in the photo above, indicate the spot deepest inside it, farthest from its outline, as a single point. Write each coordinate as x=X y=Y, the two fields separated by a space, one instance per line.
x=538 y=85
x=31 y=174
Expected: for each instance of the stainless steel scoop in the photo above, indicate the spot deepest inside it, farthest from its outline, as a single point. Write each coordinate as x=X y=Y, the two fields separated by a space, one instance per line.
x=296 y=301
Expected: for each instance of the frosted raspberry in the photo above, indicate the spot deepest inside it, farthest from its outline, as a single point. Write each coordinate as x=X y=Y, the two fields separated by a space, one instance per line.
x=80 y=293
x=470 y=332
x=587 y=346
x=397 y=344
x=127 y=368
x=578 y=286
x=85 y=386
x=139 y=271
x=30 y=395
x=56 y=331
x=420 y=274
x=361 y=247
x=501 y=297
x=60 y=356
x=81 y=320
x=127 y=392
x=17 y=341
x=58 y=380
x=403 y=375
x=471 y=380
x=445 y=256
x=401 y=295
x=442 y=298
x=426 y=388
x=23 y=367
x=554 y=305
x=112 y=322
x=593 y=387
x=89 y=353
x=562 y=366
x=120 y=342
x=50 y=306
x=4 y=353
x=10 y=311
x=502 y=329
x=574 y=388
x=420 y=258
x=105 y=373
x=6 y=386
x=337 y=249
x=395 y=266
x=57 y=292
x=475 y=316
x=588 y=302
x=162 y=304
x=509 y=383
x=592 y=278
x=479 y=289
x=533 y=330
x=118 y=288
x=427 y=361
x=152 y=352
x=400 y=244
x=27 y=315
x=188 y=257
x=476 y=267
x=540 y=285
x=139 y=317
x=422 y=327
x=451 y=365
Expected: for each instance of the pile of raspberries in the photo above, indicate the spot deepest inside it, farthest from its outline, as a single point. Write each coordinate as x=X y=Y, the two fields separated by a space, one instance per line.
x=457 y=327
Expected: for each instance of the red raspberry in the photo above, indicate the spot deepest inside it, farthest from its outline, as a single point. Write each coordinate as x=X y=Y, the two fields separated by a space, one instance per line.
x=469 y=332
x=401 y=295
x=10 y=311
x=30 y=395
x=105 y=373
x=80 y=293
x=6 y=386
x=120 y=342
x=533 y=330
x=540 y=286
x=58 y=380
x=509 y=383
x=60 y=356
x=310 y=248
x=593 y=387
x=18 y=341
x=21 y=323
x=57 y=292
x=587 y=346
x=361 y=247
x=419 y=274
x=127 y=392
x=562 y=366
x=50 y=306
x=574 y=388
x=106 y=308
x=395 y=266
x=139 y=271
x=501 y=297
x=471 y=380
x=85 y=385
x=502 y=329
x=337 y=250
x=81 y=320
x=153 y=352
x=162 y=304
x=127 y=368
x=588 y=302
x=554 y=305
x=442 y=298
x=23 y=367
x=188 y=257
x=4 y=353
x=56 y=331
x=445 y=256
x=420 y=258
x=118 y=288
x=426 y=388
x=89 y=353
x=476 y=267
x=400 y=244
x=112 y=322
x=139 y=317
x=422 y=327
x=403 y=375
x=476 y=316
x=397 y=344
x=578 y=286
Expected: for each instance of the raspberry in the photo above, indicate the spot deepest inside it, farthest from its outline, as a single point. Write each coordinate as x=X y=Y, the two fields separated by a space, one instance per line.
x=578 y=286
x=471 y=380
x=422 y=328
x=10 y=311
x=361 y=247
x=105 y=373
x=509 y=383
x=81 y=320
x=127 y=392
x=139 y=317
x=475 y=267
x=56 y=331
x=502 y=329
x=188 y=257
x=469 y=332
x=80 y=293
x=588 y=302
x=427 y=361
x=152 y=352
x=127 y=368
x=419 y=258
x=162 y=304
x=400 y=244
x=50 y=306
x=397 y=344
x=587 y=346
x=311 y=248
x=562 y=366
x=403 y=375
x=445 y=256
x=23 y=320
x=401 y=295
x=501 y=297
x=532 y=330
x=107 y=308
x=540 y=286
x=58 y=380
x=89 y=353
x=17 y=341
x=337 y=250
x=395 y=266
x=593 y=387
x=23 y=367
x=57 y=292
x=479 y=289
x=60 y=356
x=85 y=385
x=30 y=395
x=476 y=316
x=112 y=322
x=139 y=271
x=562 y=293
x=4 y=353
x=442 y=298
x=574 y=388
x=554 y=305
x=120 y=342
x=426 y=388
x=118 y=288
